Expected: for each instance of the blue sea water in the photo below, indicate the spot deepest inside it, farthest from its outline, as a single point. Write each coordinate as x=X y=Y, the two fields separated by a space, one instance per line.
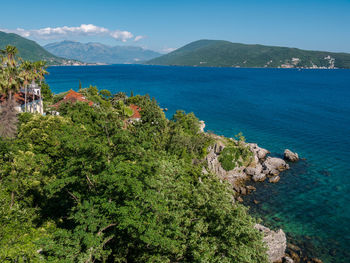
x=307 y=111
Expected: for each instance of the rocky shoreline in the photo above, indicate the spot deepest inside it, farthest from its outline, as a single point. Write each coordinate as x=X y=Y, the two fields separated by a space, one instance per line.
x=261 y=167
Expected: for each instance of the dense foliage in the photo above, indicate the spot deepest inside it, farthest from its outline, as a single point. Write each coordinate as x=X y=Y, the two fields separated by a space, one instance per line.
x=93 y=185
x=218 y=53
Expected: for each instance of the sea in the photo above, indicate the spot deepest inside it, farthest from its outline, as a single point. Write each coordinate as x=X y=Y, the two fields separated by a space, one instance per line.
x=304 y=110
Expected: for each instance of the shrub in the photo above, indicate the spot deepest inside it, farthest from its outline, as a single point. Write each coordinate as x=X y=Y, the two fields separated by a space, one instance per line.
x=235 y=156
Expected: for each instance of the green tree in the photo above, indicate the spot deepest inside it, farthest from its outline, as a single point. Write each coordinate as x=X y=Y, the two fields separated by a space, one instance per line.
x=46 y=92
x=86 y=188
x=105 y=93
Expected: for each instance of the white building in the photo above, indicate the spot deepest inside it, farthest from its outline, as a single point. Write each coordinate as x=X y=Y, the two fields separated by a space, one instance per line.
x=28 y=100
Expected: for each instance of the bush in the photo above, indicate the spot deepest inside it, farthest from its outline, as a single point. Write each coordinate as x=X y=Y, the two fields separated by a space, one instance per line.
x=235 y=156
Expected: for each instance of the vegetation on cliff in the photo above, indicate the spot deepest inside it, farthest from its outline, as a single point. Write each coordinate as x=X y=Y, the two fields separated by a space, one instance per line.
x=94 y=185
x=235 y=154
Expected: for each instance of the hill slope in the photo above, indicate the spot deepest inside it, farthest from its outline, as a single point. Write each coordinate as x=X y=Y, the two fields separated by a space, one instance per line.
x=96 y=52
x=219 y=53
x=30 y=50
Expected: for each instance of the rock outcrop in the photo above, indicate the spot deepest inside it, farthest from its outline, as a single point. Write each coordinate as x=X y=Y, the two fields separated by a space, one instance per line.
x=254 y=168
x=290 y=156
x=261 y=153
x=276 y=242
x=259 y=177
x=287 y=260
x=214 y=165
x=258 y=170
x=273 y=166
x=274 y=179
x=201 y=126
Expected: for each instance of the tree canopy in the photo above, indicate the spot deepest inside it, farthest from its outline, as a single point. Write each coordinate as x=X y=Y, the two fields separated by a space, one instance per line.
x=92 y=186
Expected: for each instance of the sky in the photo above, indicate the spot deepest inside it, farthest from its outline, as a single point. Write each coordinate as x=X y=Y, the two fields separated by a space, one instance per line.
x=163 y=25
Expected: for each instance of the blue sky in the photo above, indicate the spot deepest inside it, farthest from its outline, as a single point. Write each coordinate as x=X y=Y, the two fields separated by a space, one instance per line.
x=163 y=25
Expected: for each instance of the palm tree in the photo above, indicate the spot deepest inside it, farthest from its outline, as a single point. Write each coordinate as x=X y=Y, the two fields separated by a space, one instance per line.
x=28 y=76
x=10 y=82
x=40 y=68
x=11 y=78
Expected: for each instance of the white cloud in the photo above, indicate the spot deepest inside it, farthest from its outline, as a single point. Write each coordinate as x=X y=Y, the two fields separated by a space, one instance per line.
x=23 y=32
x=168 y=49
x=138 y=38
x=121 y=35
x=66 y=31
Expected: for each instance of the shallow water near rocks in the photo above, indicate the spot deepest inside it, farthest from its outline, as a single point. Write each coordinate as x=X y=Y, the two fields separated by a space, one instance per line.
x=307 y=111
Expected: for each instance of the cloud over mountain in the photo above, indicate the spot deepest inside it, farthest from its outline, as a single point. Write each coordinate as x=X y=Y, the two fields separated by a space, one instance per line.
x=48 y=33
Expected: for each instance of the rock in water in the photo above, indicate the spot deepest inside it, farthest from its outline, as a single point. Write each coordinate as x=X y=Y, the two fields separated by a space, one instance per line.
x=287 y=260
x=259 y=152
x=256 y=170
x=259 y=177
x=276 y=242
x=274 y=179
x=290 y=156
x=250 y=188
x=274 y=165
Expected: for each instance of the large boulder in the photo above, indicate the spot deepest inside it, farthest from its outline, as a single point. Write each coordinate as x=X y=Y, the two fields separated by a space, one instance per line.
x=259 y=177
x=276 y=242
x=218 y=147
x=290 y=156
x=254 y=170
x=287 y=260
x=274 y=179
x=259 y=152
x=273 y=166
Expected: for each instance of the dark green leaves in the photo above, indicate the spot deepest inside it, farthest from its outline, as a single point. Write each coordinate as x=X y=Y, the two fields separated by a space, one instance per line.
x=90 y=187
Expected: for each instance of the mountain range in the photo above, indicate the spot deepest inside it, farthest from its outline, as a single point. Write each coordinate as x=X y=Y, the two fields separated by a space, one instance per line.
x=99 y=53
x=209 y=53
x=219 y=53
x=30 y=50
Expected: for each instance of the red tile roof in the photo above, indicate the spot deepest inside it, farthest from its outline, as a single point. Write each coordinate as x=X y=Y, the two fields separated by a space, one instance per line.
x=136 y=109
x=72 y=96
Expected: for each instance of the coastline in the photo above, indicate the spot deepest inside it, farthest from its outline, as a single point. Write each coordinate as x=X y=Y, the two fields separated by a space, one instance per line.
x=246 y=181
x=200 y=66
x=185 y=66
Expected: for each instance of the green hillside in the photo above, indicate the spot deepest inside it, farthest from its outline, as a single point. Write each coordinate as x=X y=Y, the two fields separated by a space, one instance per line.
x=30 y=50
x=219 y=53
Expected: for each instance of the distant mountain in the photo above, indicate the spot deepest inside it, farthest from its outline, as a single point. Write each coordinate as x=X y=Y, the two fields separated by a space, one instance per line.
x=30 y=50
x=99 y=53
x=219 y=53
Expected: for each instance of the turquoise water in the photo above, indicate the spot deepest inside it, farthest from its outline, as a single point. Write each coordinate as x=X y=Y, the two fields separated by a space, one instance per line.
x=307 y=111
